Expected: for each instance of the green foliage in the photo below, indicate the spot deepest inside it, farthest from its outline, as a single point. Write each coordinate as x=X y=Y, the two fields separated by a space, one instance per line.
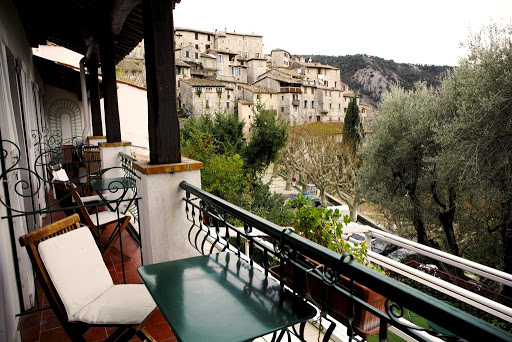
x=269 y=206
x=353 y=128
x=224 y=130
x=218 y=141
x=223 y=176
x=323 y=226
x=269 y=135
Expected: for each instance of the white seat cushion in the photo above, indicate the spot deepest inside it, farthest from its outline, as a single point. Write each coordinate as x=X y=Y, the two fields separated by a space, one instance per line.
x=94 y=198
x=105 y=217
x=76 y=268
x=120 y=304
x=60 y=175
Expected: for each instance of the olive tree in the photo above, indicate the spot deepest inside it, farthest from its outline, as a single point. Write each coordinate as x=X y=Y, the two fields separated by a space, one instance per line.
x=479 y=138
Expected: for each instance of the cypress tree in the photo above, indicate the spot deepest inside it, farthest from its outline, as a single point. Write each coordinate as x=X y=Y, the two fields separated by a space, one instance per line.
x=352 y=128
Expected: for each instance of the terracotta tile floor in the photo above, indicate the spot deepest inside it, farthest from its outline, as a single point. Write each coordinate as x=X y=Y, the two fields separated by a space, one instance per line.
x=43 y=325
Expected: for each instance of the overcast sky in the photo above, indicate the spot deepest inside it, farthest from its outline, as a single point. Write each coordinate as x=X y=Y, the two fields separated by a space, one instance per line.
x=425 y=32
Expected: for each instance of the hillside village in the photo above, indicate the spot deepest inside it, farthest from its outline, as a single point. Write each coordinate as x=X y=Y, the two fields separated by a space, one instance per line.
x=227 y=71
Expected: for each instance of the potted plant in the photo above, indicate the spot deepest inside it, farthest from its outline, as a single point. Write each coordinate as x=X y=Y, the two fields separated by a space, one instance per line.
x=323 y=226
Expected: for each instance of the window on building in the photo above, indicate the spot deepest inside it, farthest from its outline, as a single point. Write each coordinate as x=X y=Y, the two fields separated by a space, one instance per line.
x=183 y=71
x=239 y=41
x=207 y=103
x=246 y=42
x=221 y=72
x=305 y=104
x=246 y=54
x=187 y=54
x=258 y=96
x=220 y=59
x=282 y=109
x=326 y=83
x=305 y=90
x=258 y=44
x=197 y=47
x=207 y=46
x=282 y=98
x=270 y=95
x=197 y=36
x=239 y=53
x=227 y=105
x=271 y=107
x=197 y=55
x=339 y=106
x=209 y=37
x=313 y=91
x=231 y=70
x=339 y=93
x=177 y=70
x=345 y=110
x=313 y=104
x=330 y=105
x=229 y=41
x=335 y=84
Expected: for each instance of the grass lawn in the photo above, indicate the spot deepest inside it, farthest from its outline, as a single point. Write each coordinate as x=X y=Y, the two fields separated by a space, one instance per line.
x=419 y=321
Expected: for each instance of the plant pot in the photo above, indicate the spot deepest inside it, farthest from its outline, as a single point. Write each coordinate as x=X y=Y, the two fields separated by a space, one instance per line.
x=364 y=324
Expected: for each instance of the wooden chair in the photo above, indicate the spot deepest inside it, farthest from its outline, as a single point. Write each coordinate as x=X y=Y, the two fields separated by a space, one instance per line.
x=92 y=160
x=78 y=285
x=99 y=221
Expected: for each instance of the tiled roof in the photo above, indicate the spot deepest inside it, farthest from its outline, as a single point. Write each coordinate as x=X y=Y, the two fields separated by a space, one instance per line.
x=182 y=64
x=223 y=51
x=245 y=102
x=207 y=56
x=256 y=89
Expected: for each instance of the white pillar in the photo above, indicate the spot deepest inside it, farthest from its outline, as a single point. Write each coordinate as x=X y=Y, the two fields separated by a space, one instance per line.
x=110 y=157
x=163 y=221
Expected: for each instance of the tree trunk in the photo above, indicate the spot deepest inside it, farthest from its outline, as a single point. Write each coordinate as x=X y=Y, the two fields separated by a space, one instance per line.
x=447 y=217
x=288 y=180
x=354 y=208
x=275 y=170
x=417 y=219
x=323 y=197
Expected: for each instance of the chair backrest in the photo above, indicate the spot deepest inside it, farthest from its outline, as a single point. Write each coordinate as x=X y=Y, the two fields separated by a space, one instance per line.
x=31 y=242
x=69 y=265
x=82 y=210
x=92 y=156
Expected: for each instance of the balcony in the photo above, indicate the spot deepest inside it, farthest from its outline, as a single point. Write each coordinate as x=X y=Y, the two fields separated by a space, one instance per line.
x=296 y=102
x=294 y=90
x=300 y=265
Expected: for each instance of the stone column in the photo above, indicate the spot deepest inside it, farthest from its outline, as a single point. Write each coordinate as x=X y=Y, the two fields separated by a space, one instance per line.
x=163 y=221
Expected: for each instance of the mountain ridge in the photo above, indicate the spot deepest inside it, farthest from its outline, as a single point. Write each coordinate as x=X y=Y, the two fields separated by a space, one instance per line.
x=371 y=76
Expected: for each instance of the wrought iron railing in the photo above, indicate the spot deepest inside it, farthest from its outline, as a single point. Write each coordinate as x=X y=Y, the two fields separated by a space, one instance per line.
x=33 y=198
x=215 y=225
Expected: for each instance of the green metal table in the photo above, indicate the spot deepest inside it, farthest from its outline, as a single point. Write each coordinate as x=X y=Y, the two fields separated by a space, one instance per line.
x=113 y=185
x=221 y=297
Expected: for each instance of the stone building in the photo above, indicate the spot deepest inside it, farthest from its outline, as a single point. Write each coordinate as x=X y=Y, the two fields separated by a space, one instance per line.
x=280 y=58
x=250 y=96
x=230 y=66
x=201 y=40
x=243 y=44
x=206 y=96
x=255 y=68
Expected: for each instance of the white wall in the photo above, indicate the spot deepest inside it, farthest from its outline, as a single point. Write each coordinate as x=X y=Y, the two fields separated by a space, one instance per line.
x=13 y=37
x=58 y=54
x=133 y=115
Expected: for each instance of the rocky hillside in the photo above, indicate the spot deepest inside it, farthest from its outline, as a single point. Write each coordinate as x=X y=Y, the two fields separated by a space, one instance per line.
x=370 y=76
